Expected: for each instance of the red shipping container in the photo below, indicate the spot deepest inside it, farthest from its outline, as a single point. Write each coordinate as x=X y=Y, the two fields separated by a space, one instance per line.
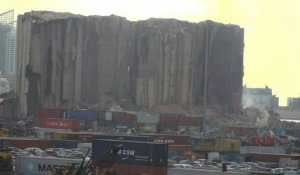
x=181 y=148
x=123 y=117
x=189 y=121
x=61 y=123
x=126 y=169
x=170 y=139
x=26 y=143
x=169 y=120
x=49 y=113
x=266 y=157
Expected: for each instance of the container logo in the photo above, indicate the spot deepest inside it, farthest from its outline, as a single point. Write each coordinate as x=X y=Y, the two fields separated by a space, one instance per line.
x=164 y=141
x=51 y=168
x=61 y=123
x=126 y=152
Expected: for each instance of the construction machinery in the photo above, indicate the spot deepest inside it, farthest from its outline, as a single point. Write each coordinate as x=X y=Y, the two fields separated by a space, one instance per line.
x=6 y=164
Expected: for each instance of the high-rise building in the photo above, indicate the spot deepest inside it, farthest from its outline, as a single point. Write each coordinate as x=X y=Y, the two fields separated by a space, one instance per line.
x=7 y=42
x=10 y=67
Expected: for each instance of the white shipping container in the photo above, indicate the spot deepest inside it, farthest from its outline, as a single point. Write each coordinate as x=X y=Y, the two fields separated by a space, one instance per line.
x=108 y=116
x=27 y=165
x=147 y=118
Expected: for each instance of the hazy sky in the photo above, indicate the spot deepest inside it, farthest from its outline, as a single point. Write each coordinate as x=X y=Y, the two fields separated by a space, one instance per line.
x=272 y=29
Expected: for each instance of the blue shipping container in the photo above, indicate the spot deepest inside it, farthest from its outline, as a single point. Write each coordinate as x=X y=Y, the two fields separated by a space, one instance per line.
x=81 y=115
x=120 y=137
x=65 y=144
x=145 y=153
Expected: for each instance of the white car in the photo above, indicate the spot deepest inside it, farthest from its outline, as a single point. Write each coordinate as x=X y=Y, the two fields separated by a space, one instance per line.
x=182 y=165
x=34 y=150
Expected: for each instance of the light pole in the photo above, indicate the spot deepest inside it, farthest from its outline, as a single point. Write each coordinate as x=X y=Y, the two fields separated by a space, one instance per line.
x=205 y=78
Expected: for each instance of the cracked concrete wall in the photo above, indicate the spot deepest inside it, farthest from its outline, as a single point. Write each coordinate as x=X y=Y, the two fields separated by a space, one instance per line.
x=67 y=60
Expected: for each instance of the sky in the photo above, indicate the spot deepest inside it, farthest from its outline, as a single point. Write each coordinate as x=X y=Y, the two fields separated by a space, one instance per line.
x=272 y=30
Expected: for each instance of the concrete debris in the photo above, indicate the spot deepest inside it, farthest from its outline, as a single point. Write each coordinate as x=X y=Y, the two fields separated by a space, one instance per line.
x=69 y=61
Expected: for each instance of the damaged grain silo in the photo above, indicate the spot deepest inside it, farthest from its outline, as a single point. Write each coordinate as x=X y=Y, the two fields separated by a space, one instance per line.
x=67 y=60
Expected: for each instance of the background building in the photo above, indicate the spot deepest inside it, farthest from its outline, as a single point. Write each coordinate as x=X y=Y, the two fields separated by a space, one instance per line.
x=294 y=103
x=8 y=46
x=261 y=98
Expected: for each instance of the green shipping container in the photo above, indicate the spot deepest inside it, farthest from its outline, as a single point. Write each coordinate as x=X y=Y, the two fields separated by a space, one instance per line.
x=227 y=145
x=204 y=145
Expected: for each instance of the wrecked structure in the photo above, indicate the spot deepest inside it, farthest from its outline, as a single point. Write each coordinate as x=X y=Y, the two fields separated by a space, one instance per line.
x=67 y=60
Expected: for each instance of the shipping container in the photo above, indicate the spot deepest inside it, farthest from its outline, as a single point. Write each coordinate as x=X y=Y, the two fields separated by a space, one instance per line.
x=108 y=115
x=68 y=144
x=271 y=157
x=58 y=123
x=130 y=169
x=145 y=153
x=169 y=119
x=60 y=136
x=123 y=137
x=170 y=139
x=263 y=141
x=227 y=145
x=180 y=150
x=81 y=115
x=148 y=118
x=28 y=165
x=147 y=128
x=26 y=142
x=262 y=150
x=49 y=113
x=189 y=121
x=81 y=137
x=203 y=145
x=123 y=117
x=123 y=125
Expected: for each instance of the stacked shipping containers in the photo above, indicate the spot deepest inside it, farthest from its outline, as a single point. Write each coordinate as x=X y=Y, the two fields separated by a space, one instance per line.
x=124 y=120
x=88 y=119
x=147 y=122
x=169 y=121
x=43 y=113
